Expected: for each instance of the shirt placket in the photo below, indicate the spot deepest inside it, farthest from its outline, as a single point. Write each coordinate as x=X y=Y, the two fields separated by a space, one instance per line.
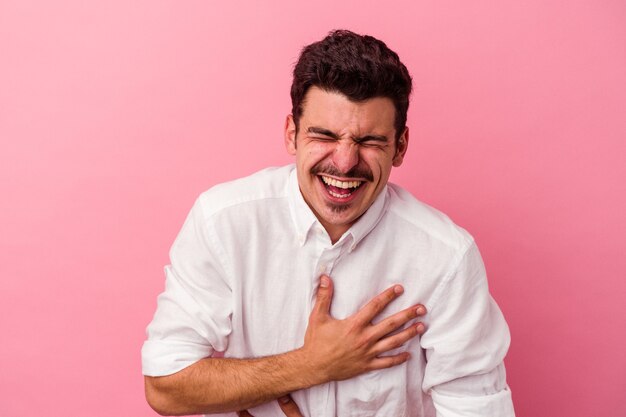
x=326 y=257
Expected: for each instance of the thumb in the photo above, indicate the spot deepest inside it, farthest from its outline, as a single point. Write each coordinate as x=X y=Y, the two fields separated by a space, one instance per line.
x=324 y=296
x=289 y=406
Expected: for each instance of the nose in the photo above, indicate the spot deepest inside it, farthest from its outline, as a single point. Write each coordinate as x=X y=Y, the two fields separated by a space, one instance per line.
x=346 y=155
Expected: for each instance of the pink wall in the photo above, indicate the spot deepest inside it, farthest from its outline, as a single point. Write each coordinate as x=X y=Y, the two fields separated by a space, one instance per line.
x=115 y=115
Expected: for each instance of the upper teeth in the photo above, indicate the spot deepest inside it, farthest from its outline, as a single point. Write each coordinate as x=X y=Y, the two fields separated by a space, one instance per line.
x=340 y=184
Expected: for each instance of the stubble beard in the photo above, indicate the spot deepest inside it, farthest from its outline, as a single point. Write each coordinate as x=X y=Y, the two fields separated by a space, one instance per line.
x=356 y=172
x=339 y=208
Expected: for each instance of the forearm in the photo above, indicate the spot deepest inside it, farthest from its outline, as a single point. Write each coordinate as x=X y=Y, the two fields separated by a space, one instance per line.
x=216 y=385
x=333 y=350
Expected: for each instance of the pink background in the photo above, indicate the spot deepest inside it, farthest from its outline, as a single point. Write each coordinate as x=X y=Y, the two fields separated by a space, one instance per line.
x=115 y=115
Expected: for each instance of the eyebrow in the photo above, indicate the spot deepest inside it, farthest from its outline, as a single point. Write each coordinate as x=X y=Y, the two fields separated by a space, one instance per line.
x=322 y=131
x=331 y=134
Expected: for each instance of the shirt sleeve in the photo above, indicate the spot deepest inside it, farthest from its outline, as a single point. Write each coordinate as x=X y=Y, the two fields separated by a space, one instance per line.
x=465 y=344
x=192 y=319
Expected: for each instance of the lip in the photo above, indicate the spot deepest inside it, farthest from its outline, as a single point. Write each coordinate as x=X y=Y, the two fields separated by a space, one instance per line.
x=340 y=201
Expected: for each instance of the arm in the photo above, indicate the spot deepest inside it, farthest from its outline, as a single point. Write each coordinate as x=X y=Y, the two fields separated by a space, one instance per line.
x=215 y=385
x=465 y=345
x=332 y=350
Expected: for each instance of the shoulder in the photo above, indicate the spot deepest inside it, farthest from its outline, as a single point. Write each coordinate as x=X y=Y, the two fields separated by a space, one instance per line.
x=262 y=186
x=422 y=221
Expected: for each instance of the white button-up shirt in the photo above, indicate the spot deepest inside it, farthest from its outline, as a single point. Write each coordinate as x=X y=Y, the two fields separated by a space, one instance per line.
x=243 y=276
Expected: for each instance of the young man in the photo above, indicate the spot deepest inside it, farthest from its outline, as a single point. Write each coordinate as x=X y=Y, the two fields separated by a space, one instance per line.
x=251 y=270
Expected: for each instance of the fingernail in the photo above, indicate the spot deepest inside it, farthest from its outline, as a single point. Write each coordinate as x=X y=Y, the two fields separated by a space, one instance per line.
x=419 y=327
x=324 y=281
x=284 y=399
x=420 y=310
x=398 y=289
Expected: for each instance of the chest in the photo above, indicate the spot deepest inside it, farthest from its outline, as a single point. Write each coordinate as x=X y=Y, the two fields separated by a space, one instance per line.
x=274 y=287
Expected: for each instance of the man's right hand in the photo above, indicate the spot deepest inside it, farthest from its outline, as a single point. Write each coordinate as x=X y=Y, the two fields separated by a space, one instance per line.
x=341 y=349
x=333 y=350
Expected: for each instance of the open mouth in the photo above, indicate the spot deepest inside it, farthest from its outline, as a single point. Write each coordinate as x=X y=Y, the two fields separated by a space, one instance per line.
x=340 y=189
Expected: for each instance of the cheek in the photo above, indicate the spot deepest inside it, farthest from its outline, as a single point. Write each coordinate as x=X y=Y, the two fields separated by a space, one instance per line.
x=379 y=164
x=313 y=154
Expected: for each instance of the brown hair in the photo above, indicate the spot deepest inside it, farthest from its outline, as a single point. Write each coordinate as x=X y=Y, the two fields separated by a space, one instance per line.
x=359 y=66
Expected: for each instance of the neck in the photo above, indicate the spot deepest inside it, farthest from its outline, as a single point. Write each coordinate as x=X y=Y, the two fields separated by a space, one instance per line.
x=334 y=232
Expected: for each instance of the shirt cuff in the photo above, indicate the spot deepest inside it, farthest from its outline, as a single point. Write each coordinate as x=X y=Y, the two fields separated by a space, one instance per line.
x=159 y=358
x=499 y=404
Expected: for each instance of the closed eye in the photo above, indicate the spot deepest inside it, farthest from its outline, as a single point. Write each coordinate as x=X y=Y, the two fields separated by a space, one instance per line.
x=322 y=138
x=372 y=140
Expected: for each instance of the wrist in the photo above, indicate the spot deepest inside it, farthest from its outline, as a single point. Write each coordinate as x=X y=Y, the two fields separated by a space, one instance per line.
x=311 y=372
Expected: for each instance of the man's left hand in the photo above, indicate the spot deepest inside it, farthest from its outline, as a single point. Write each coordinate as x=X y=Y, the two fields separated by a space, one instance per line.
x=286 y=403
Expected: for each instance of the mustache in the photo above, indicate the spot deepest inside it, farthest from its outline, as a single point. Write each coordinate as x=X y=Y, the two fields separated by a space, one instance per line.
x=356 y=172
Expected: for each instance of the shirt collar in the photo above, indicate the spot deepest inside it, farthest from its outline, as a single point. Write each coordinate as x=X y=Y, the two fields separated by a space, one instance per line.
x=304 y=219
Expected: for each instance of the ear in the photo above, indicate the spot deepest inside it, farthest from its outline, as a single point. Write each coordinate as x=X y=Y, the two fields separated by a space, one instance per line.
x=290 y=135
x=401 y=147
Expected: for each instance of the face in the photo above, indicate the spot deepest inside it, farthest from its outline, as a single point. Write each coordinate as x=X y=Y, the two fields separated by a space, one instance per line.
x=344 y=154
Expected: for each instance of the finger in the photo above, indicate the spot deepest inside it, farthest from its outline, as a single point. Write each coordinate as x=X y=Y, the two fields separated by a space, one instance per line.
x=396 y=340
x=396 y=321
x=377 y=304
x=323 y=298
x=289 y=406
x=244 y=413
x=389 y=361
